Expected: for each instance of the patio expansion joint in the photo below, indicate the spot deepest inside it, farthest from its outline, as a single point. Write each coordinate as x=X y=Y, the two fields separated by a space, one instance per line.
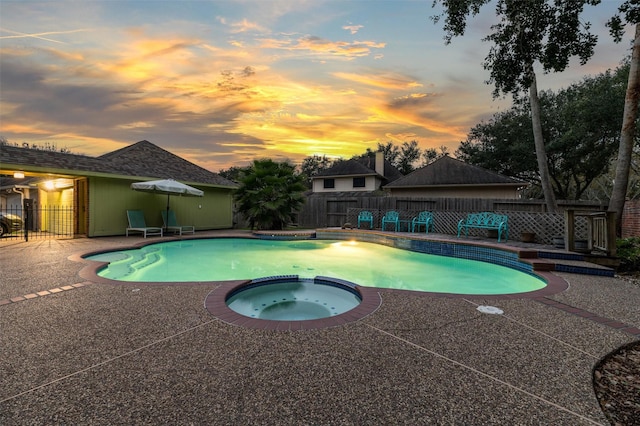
x=43 y=293
x=486 y=375
x=108 y=361
x=547 y=335
x=583 y=313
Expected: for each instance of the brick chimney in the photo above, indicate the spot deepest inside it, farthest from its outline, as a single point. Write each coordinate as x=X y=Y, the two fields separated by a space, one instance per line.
x=380 y=163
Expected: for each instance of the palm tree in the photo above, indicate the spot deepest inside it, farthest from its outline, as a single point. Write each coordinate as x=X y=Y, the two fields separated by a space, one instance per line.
x=270 y=194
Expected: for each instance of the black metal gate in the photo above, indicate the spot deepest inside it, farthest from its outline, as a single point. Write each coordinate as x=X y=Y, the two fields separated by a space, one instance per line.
x=31 y=221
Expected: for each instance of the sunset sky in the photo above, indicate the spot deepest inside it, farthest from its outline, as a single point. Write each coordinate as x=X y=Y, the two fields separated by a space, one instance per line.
x=221 y=83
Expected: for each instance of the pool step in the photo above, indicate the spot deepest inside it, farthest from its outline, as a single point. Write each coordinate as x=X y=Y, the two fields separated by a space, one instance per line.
x=133 y=261
x=574 y=263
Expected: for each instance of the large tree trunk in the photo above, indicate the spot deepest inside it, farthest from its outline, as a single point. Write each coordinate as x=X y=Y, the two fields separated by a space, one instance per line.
x=619 y=193
x=538 y=140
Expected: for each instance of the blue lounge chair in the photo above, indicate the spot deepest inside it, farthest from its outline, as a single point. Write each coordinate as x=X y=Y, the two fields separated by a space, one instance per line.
x=391 y=217
x=138 y=224
x=171 y=224
x=424 y=218
x=365 y=217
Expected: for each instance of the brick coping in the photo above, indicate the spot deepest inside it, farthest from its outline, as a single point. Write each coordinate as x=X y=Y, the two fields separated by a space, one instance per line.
x=43 y=293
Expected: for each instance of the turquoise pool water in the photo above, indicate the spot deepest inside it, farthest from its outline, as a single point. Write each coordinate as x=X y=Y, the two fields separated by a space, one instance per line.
x=366 y=264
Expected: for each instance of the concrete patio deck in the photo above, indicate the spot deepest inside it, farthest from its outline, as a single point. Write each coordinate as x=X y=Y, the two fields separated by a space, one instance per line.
x=77 y=352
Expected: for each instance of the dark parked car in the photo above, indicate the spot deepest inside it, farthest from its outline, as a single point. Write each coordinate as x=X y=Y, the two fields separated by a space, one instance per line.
x=9 y=223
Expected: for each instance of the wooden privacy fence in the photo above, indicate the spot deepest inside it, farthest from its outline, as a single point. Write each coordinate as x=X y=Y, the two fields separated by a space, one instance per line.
x=524 y=215
x=530 y=216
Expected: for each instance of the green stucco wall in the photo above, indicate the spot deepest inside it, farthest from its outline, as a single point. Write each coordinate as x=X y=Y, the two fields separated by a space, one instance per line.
x=109 y=199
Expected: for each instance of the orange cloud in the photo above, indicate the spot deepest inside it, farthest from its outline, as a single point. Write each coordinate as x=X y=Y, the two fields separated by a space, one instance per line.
x=385 y=81
x=319 y=45
x=234 y=95
x=21 y=128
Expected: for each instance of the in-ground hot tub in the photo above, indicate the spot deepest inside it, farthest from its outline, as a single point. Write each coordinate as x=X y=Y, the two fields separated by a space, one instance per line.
x=291 y=298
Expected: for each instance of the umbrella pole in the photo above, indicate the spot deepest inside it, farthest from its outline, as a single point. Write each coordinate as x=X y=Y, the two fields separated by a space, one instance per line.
x=166 y=224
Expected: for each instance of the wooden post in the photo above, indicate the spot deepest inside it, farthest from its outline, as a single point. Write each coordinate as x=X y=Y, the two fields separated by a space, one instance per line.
x=611 y=233
x=569 y=229
x=589 y=233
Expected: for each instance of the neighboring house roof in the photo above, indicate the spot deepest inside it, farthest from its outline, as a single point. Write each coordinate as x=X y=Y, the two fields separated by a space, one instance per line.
x=140 y=160
x=365 y=166
x=447 y=171
x=346 y=168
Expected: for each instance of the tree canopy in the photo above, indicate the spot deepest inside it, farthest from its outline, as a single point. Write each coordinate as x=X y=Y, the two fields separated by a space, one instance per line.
x=312 y=165
x=548 y=32
x=405 y=157
x=581 y=132
x=629 y=12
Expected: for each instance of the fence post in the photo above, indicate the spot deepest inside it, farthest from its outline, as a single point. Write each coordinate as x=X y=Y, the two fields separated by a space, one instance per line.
x=569 y=229
x=27 y=206
x=611 y=233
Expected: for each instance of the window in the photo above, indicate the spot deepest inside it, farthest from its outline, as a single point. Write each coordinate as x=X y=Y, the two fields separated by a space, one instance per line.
x=359 y=182
x=329 y=183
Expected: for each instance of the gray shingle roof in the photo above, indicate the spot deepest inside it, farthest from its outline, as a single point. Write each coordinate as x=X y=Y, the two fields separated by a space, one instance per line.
x=140 y=160
x=448 y=171
x=364 y=166
x=347 y=168
x=146 y=159
x=52 y=159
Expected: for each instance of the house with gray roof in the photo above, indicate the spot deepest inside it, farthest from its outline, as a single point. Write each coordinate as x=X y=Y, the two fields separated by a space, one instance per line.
x=451 y=178
x=364 y=174
x=98 y=191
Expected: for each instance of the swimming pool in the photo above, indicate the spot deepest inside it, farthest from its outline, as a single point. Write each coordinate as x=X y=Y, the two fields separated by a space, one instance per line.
x=366 y=264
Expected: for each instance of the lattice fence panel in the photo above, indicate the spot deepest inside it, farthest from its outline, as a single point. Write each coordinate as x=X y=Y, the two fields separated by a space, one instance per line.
x=446 y=222
x=545 y=226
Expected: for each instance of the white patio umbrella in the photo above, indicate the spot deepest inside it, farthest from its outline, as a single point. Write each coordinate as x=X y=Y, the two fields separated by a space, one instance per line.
x=169 y=187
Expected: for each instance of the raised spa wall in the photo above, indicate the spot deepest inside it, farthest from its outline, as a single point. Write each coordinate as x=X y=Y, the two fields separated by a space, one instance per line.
x=523 y=260
x=538 y=260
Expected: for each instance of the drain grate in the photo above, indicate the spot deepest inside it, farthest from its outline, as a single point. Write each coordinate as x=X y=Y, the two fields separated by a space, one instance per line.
x=490 y=310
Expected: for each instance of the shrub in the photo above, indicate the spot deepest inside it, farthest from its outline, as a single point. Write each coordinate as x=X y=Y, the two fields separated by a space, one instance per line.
x=629 y=254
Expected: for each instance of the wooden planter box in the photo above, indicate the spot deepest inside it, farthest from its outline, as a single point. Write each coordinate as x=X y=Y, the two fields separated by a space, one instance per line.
x=527 y=237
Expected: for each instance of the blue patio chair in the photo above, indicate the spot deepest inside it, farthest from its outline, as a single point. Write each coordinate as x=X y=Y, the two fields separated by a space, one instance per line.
x=393 y=217
x=365 y=217
x=424 y=218
x=138 y=224
x=171 y=223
